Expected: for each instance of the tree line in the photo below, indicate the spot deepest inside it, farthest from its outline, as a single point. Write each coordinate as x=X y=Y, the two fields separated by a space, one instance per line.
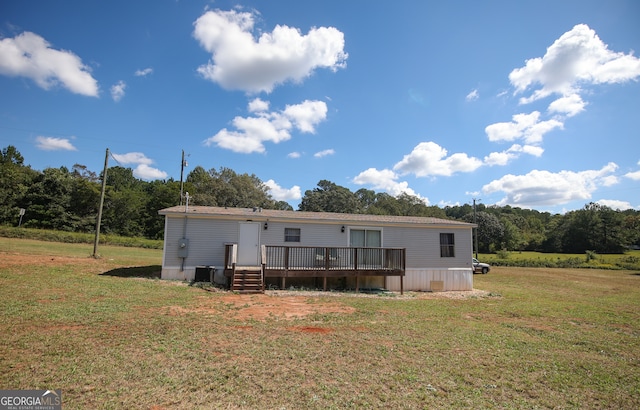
x=68 y=199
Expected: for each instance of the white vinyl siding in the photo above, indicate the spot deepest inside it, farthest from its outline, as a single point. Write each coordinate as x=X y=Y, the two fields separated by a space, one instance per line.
x=208 y=236
x=206 y=240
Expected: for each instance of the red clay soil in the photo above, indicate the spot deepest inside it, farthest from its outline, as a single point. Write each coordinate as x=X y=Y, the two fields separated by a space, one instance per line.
x=264 y=306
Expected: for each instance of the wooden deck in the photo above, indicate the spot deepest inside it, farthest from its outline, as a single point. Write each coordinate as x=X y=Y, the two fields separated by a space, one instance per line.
x=323 y=262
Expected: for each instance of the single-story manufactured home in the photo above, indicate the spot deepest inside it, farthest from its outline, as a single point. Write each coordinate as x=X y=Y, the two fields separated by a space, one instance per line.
x=250 y=248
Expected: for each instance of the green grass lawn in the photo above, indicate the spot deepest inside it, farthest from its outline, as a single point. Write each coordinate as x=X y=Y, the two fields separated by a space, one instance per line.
x=109 y=337
x=628 y=260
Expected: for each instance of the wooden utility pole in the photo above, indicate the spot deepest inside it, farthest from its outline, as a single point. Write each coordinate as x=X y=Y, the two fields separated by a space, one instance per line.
x=182 y=165
x=104 y=186
x=476 y=228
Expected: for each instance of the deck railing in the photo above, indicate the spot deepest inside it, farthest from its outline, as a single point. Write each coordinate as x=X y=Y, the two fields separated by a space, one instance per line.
x=334 y=258
x=326 y=262
x=326 y=258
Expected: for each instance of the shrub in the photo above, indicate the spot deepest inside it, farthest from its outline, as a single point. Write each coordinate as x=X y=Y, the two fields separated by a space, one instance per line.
x=77 y=237
x=591 y=255
x=502 y=254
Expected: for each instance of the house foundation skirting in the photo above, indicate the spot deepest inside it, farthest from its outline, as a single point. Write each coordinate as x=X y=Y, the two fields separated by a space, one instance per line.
x=453 y=279
x=421 y=280
x=174 y=273
x=189 y=273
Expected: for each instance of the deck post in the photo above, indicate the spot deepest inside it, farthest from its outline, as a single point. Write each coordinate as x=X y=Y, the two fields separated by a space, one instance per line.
x=324 y=282
x=402 y=284
x=357 y=283
x=283 y=285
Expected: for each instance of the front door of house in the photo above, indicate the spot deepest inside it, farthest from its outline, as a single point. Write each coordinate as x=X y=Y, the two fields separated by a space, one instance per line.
x=249 y=244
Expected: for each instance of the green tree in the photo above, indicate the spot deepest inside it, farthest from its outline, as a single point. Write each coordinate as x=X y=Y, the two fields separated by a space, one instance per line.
x=329 y=197
x=631 y=227
x=84 y=202
x=201 y=186
x=366 y=198
x=48 y=200
x=15 y=180
x=123 y=212
x=120 y=178
x=384 y=204
x=125 y=203
x=159 y=195
x=225 y=187
x=458 y=211
x=490 y=231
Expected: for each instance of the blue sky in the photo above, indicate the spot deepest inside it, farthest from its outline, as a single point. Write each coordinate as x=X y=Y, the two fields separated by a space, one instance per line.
x=528 y=104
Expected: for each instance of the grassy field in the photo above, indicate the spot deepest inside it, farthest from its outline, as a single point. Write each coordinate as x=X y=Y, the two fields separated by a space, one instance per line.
x=630 y=260
x=111 y=336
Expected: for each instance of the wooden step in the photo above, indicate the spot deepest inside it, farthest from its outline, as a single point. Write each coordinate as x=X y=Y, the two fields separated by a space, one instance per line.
x=247 y=281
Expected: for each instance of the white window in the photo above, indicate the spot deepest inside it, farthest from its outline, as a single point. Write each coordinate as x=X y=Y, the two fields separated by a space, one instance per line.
x=366 y=238
x=292 y=234
x=447 y=245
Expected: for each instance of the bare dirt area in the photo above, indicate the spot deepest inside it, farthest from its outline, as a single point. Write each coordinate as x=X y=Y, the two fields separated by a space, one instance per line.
x=265 y=306
x=288 y=304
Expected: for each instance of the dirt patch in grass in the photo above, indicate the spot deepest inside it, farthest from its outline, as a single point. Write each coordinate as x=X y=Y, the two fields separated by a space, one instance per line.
x=289 y=305
x=310 y=329
x=262 y=306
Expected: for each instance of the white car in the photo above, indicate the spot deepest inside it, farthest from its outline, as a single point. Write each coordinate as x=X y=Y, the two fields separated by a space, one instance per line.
x=479 y=267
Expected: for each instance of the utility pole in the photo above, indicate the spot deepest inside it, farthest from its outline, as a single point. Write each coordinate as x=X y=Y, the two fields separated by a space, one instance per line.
x=183 y=164
x=104 y=186
x=476 y=228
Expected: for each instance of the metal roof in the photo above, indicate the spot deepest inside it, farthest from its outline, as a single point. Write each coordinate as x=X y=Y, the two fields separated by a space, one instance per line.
x=259 y=214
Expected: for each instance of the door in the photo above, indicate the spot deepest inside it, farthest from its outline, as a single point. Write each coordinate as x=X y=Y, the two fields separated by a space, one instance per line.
x=249 y=244
x=367 y=238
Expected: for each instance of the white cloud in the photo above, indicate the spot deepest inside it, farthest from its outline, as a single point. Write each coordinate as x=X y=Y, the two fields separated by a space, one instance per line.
x=577 y=58
x=54 y=144
x=242 y=62
x=499 y=158
x=275 y=127
x=283 y=194
x=504 y=157
x=132 y=158
x=258 y=105
x=117 y=90
x=547 y=188
x=143 y=73
x=430 y=159
x=633 y=175
x=294 y=155
x=29 y=55
x=144 y=171
x=385 y=180
x=324 y=153
x=473 y=95
x=307 y=115
x=532 y=150
x=616 y=204
x=569 y=105
x=527 y=127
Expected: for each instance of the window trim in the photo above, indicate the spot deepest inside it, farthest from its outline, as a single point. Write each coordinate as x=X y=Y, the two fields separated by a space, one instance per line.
x=447 y=250
x=289 y=237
